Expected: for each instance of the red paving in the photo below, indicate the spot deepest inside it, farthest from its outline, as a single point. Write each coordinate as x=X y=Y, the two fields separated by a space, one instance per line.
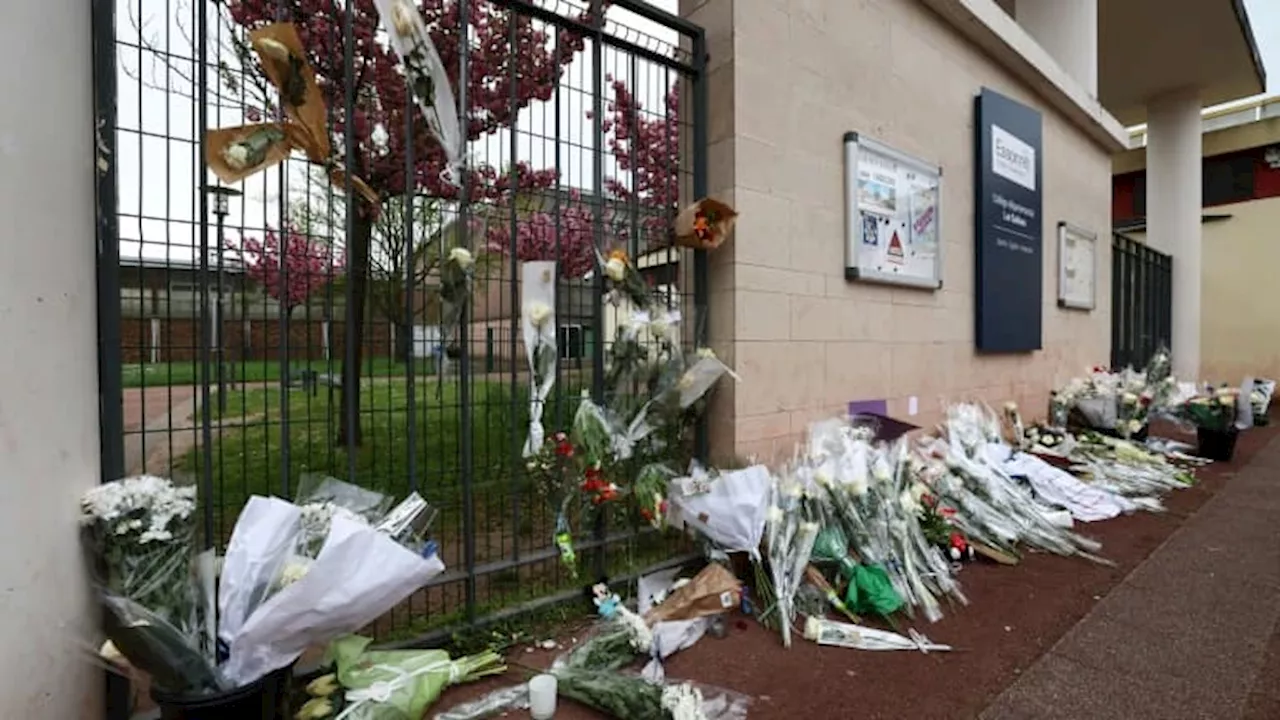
x=1187 y=635
x=146 y=405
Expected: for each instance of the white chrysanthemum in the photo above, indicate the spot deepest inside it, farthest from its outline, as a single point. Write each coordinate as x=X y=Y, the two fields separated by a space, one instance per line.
x=683 y=702
x=144 y=505
x=641 y=635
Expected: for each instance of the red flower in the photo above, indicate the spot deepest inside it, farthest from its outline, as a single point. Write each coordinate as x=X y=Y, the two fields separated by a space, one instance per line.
x=959 y=542
x=947 y=512
x=928 y=500
x=646 y=515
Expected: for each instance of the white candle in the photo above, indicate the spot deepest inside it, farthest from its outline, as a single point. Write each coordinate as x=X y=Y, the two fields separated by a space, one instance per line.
x=542 y=697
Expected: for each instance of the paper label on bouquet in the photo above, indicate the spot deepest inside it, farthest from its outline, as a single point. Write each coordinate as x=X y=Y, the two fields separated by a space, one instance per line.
x=695 y=486
x=726 y=599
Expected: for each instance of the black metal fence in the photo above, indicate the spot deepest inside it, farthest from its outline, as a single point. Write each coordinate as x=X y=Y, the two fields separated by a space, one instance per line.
x=1141 y=302
x=257 y=333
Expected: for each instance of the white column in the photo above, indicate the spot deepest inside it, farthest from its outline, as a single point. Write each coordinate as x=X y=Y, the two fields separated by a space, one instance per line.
x=1173 y=214
x=1068 y=31
x=48 y=379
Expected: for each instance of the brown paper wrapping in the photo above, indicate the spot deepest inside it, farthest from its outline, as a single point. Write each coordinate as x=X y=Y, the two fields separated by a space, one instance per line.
x=712 y=591
x=217 y=142
x=338 y=177
x=685 y=235
x=303 y=102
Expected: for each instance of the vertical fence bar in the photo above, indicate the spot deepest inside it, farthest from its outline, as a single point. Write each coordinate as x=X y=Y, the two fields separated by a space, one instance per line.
x=597 y=224
x=464 y=340
x=410 y=259
x=351 y=374
x=110 y=369
x=1117 y=312
x=206 y=323
x=700 y=289
x=513 y=137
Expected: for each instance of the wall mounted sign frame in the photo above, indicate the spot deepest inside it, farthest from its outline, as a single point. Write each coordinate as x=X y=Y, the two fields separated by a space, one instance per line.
x=1008 y=225
x=1077 y=267
x=893 y=216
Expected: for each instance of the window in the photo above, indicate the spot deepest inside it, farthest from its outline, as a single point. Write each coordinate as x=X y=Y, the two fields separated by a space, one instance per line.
x=1140 y=195
x=571 y=342
x=1228 y=179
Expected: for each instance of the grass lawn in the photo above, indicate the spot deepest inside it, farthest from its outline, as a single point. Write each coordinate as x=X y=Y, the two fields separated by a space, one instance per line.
x=188 y=372
x=247 y=459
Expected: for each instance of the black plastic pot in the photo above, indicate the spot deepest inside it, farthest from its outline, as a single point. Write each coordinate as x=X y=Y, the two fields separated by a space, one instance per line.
x=264 y=699
x=1217 y=444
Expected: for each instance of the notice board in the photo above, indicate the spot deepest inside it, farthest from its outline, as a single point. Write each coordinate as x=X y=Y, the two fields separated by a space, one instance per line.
x=892 y=216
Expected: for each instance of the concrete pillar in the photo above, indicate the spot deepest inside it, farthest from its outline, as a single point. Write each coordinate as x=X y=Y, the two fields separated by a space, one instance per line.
x=1173 y=214
x=48 y=374
x=1068 y=31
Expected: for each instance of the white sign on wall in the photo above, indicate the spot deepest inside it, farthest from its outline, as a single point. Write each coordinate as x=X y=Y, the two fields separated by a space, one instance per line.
x=1077 y=267
x=1013 y=159
x=893 y=216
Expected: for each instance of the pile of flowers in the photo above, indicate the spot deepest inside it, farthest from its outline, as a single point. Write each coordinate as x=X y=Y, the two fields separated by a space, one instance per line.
x=1119 y=402
x=295 y=575
x=625 y=445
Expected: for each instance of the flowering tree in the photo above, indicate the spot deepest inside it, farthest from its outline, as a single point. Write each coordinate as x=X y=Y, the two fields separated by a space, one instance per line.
x=290 y=272
x=511 y=63
x=645 y=147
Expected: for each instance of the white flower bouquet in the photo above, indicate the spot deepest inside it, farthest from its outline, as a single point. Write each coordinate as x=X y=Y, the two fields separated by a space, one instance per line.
x=141 y=534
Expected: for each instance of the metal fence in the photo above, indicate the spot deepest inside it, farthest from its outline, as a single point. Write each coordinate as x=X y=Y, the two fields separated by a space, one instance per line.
x=254 y=334
x=1141 y=302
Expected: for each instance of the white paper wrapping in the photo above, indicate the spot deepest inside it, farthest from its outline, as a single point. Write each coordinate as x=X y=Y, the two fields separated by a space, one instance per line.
x=731 y=512
x=359 y=575
x=422 y=62
x=538 y=293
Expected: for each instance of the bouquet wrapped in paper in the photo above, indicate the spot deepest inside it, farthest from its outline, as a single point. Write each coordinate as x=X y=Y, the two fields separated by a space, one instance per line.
x=705 y=225
x=538 y=330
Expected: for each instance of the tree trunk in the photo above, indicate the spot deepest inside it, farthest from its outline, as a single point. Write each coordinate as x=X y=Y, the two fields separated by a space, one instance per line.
x=353 y=338
x=404 y=342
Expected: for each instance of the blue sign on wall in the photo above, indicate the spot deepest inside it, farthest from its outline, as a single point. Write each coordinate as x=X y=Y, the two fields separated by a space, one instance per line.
x=1009 y=232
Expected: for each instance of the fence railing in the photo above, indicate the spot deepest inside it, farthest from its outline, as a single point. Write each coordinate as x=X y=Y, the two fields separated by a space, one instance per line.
x=587 y=132
x=1141 y=302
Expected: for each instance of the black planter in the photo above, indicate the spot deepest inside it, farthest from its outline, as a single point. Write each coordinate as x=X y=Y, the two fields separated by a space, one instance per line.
x=1217 y=444
x=264 y=699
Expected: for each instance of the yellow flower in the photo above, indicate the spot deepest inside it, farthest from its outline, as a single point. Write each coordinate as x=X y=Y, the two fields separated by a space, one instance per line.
x=323 y=686
x=315 y=709
x=615 y=269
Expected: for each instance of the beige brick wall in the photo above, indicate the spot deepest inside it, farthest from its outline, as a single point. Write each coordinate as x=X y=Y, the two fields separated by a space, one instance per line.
x=787 y=80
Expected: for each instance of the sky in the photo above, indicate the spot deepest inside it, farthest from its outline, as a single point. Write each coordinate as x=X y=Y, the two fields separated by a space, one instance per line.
x=156 y=154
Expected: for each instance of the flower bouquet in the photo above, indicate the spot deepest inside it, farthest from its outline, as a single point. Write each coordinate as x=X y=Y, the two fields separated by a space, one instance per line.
x=1214 y=417
x=140 y=532
x=1260 y=401
x=392 y=684
x=457 y=280
x=538 y=329
x=428 y=77
x=705 y=224
x=284 y=62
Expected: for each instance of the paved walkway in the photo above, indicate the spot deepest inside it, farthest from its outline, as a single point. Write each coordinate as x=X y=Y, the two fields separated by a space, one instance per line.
x=1191 y=633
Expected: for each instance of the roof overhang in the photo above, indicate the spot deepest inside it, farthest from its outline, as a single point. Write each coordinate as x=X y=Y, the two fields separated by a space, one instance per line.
x=1149 y=48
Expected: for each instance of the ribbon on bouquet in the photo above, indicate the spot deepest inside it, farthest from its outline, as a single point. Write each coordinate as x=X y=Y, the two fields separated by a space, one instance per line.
x=382 y=691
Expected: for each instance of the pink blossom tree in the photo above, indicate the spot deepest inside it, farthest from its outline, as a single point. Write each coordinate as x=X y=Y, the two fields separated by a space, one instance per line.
x=290 y=272
x=646 y=147
x=512 y=62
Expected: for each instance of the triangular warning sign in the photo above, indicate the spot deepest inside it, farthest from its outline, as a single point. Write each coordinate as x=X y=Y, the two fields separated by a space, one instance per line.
x=894 y=251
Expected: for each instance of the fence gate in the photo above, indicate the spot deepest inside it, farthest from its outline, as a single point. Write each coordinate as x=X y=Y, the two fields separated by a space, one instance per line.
x=1141 y=301
x=256 y=333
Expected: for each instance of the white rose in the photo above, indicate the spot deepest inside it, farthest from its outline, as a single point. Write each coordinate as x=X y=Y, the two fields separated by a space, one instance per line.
x=237 y=156
x=615 y=269
x=1225 y=399
x=402 y=18
x=1135 y=426
x=462 y=257
x=539 y=313
x=1129 y=398
x=1011 y=407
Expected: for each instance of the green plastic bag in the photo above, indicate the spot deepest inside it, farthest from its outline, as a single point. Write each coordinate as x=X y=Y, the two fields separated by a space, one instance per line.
x=870 y=591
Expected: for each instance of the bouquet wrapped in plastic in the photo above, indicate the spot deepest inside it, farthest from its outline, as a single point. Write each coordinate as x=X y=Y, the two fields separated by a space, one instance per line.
x=400 y=684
